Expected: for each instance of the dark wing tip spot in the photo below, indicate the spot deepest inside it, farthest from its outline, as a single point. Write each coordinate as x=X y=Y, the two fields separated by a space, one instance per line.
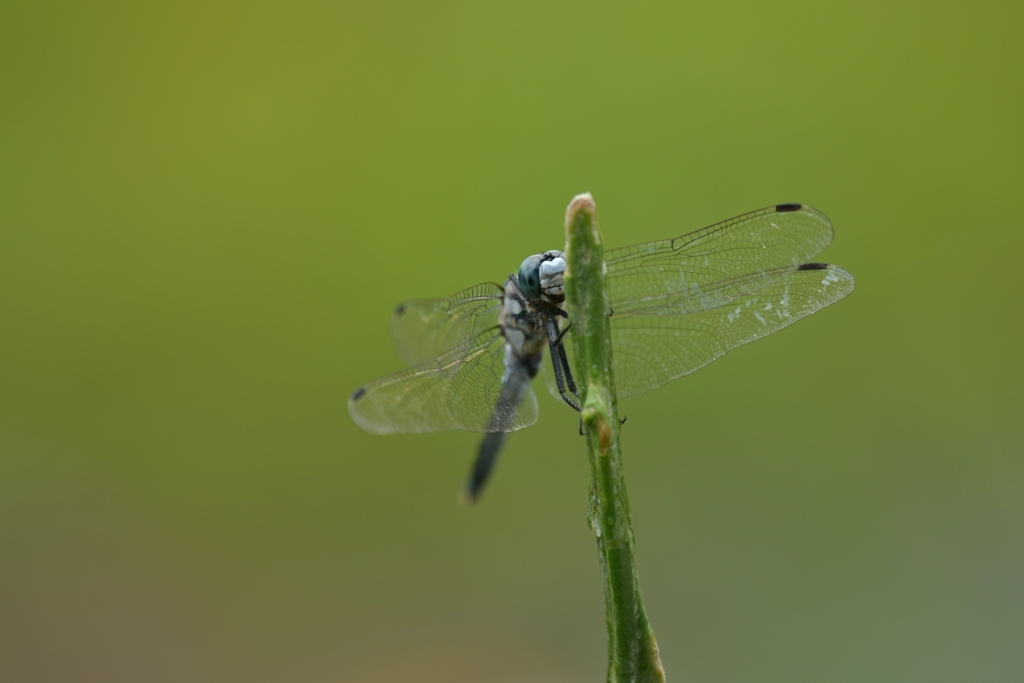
x=782 y=208
x=399 y=309
x=812 y=266
x=358 y=393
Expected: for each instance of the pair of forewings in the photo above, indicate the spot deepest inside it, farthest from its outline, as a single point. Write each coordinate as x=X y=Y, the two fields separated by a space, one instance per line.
x=676 y=305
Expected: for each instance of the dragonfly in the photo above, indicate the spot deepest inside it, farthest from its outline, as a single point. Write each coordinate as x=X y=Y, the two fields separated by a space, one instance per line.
x=675 y=305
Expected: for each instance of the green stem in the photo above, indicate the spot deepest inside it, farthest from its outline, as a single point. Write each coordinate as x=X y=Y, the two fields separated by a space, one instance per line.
x=632 y=649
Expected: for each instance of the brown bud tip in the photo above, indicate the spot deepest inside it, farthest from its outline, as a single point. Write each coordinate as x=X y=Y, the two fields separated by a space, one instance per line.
x=604 y=435
x=581 y=202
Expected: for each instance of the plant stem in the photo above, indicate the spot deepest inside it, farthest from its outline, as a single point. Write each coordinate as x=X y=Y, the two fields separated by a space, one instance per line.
x=632 y=649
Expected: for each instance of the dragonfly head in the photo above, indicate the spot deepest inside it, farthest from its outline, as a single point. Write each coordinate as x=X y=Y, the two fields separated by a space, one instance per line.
x=541 y=274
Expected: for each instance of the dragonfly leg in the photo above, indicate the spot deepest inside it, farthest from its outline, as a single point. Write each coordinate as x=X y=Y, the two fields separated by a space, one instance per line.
x=558 y=340
x=568 y=372
x=560 y=381
x=560 y=363
x=564 y=360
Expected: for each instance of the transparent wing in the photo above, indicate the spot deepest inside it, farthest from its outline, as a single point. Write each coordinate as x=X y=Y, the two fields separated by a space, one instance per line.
x=682 y=332
x=427 y=328
x=461 y=389
x=641 y=276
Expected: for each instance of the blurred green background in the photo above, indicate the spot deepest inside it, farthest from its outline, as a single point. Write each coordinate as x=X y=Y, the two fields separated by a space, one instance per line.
x=209 y=210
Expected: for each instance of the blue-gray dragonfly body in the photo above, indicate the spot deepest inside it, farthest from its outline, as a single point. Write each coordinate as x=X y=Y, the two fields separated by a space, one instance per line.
x=676 y=305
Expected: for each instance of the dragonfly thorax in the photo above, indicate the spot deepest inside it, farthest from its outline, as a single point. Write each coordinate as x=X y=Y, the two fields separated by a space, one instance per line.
x=523 y=320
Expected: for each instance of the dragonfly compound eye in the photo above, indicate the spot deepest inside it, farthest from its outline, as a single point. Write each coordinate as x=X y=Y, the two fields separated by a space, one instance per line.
x=529 y=276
